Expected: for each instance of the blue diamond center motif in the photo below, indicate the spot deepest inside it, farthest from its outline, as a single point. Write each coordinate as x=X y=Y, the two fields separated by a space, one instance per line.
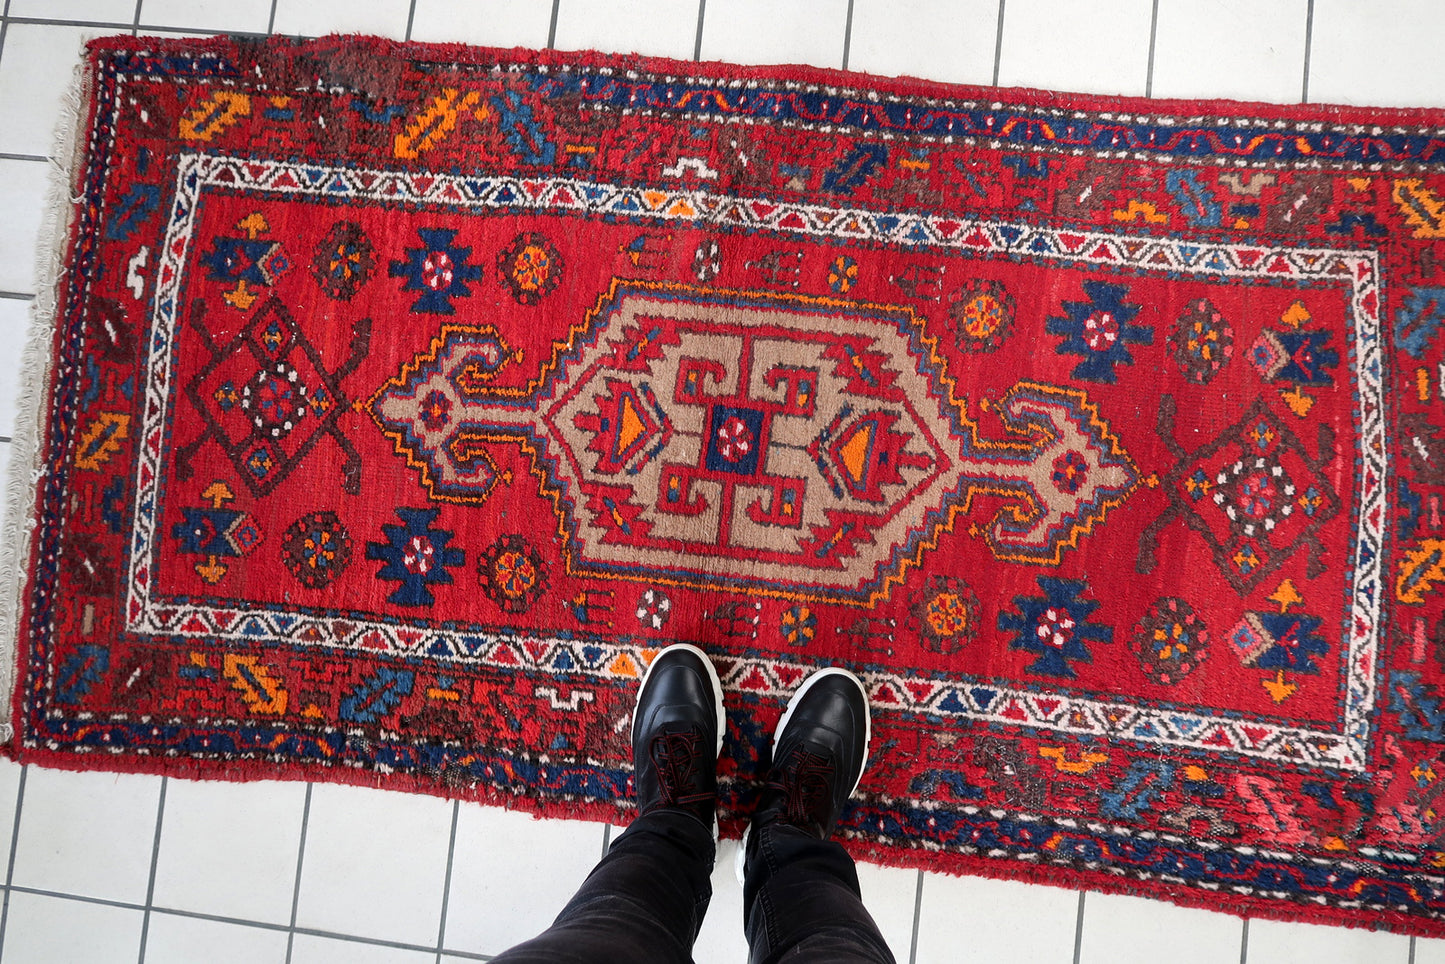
x=734 y=440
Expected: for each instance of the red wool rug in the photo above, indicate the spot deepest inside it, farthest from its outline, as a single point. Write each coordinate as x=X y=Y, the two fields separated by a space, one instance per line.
x=404 y=400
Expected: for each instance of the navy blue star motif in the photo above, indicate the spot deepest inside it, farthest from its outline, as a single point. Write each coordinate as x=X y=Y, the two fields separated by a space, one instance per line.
x=239 y=259
x=1055 y=626
x=416 y=556
x=1099 y=329
x=438 y=269
x=1309 y=357
x=207 y=531
x=1292 y=642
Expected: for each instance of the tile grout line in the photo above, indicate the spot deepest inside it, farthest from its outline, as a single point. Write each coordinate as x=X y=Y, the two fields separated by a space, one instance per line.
x=145 y=921
x=1412 y=950
x=243 y=922
x=847 y=34
x=447 y=879
x=697 y=39
x=1153 y=35
x=4 y=26
x=5 y=22
x=917 y=913
x=46 y=22
x=1244 y=942
x=1079 y=928
x=998 y=43
x=410 y=17
x=135 y=31
x=552 y=26
x=1309 y=40
x=270 y=29
x=300 y=859
x=194 y=31
x=606 y=838
x=14 y=836
x=375 y=942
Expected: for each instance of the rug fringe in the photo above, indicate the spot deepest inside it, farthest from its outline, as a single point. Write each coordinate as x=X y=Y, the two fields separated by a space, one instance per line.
x=26 y=467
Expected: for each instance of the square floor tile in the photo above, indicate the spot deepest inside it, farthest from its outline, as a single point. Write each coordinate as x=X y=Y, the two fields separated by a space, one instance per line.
x=173 y=939
x=375 y=864
x=87 y=833
x=9 y=770
x=103 y=11
x=24 y=187
x=890 y=894
x=950 y=40
x=659 y=28
x=1429 y=951
x=37 y=66
x=1119 y=929
x=5 y=450
x=47 y=930
x=962 y=920
x=315 y=18
x=775 y=31
x=1236 y=49
x=489 y=23
x=1273 y=942
x=1385 y=53
x=721 y=939
x=250 y=16
x=309 y=949
x=1096 y=46
x=230 y=849
x=14 y=324
x=512 y=874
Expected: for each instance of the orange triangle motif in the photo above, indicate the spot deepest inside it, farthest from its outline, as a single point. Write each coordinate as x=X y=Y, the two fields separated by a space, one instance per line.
x=854 y=453
x=629 y=425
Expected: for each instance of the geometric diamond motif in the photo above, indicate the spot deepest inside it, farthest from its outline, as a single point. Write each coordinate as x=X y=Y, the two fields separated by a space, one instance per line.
x=1255 y=495
x=267 y=398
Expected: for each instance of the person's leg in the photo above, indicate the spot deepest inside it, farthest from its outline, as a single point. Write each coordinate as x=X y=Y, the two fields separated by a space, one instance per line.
x=801 y=900
x=645 y=900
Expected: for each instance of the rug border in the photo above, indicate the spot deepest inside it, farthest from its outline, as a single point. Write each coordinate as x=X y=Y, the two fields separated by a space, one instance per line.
x=57 y=228
x=902 y=85
x=57 y=234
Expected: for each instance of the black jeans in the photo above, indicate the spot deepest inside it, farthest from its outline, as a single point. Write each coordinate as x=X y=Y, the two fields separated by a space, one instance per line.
x=645 y=900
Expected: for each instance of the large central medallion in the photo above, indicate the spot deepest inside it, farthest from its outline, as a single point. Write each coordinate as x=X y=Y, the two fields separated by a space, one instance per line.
x=788 y=445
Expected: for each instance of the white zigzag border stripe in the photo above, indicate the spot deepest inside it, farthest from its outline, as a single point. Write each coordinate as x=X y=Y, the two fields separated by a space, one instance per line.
x=946 y=698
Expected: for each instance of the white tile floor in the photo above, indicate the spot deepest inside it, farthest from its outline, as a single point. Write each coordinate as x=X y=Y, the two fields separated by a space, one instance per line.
x=131 y=868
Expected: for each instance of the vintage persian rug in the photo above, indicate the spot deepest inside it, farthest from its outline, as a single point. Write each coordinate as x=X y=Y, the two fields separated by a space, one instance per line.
x=404 y=400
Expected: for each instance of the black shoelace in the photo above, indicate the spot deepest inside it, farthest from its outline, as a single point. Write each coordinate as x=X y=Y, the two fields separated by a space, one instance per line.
x=674 y=756
x=806 y=782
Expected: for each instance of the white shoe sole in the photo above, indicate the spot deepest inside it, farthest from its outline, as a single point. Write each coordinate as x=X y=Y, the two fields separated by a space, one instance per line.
x=782 y=725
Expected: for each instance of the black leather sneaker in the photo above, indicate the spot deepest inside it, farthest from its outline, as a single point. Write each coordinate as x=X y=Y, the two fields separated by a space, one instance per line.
x=677 y=732
x=819 y=751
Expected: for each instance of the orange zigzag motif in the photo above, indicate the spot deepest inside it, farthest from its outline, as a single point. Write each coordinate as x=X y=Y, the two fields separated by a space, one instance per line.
x=1424 y=210
x=430 y=127
x=221 y=110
